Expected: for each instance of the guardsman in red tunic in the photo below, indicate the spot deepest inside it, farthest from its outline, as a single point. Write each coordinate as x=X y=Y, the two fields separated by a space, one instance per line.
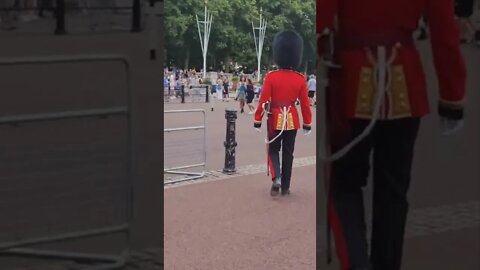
x=280 y=90
x=379 y=86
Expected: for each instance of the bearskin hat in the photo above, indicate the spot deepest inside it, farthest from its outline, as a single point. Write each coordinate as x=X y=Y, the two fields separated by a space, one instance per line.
x=287 y=49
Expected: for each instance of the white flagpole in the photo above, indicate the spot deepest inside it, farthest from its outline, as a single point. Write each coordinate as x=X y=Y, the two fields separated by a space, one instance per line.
x=261 y=36
x=207 y=25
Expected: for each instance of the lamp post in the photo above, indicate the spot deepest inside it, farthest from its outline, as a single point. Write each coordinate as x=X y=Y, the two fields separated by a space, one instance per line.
x=259 y=45
x=207 y=24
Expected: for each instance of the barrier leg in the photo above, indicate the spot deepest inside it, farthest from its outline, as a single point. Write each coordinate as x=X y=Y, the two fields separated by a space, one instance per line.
x=183 y=93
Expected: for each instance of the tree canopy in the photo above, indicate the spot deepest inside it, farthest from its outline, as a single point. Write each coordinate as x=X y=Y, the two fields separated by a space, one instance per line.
x=231 y=38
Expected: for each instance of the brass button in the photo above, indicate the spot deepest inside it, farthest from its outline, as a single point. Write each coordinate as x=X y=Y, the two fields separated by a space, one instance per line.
x=403 y=104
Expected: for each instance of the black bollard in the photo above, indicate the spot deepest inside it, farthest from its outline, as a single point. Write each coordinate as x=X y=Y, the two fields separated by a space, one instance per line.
x=230 y=143
x=169 y=90
x=60 y=17
x=183 y=93
x=206 y=94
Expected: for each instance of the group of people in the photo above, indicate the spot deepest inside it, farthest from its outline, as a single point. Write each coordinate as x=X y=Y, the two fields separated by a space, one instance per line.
x=246 y=91
x=9 y=17
x=246 y=94
x=174 y=79
x=31 y=10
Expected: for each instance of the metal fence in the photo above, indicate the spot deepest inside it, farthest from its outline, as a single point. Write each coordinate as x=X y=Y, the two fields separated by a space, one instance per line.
x=184 y=151
x=190 y=94
x=54 y=191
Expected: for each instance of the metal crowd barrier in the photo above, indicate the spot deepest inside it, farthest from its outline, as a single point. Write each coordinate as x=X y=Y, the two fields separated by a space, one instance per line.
x=181 y=169
x=18 y=244
x=190 y=94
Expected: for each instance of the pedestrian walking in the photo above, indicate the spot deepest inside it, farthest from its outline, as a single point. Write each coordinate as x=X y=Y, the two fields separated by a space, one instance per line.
x=242 y=96
x=225 y=90
x=380 y=90
x=250 y=96
x=312 y=88
x=219 y=88
x=281 y=89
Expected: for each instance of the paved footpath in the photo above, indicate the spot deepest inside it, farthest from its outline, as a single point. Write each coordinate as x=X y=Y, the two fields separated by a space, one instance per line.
x=235 y=224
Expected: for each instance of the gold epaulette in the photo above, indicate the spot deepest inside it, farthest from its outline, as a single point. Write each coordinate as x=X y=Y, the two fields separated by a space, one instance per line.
x=271 y=71
x=301 y=74
x=296 y=72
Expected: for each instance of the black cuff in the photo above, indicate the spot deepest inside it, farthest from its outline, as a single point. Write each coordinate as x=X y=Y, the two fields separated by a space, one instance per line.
x=307 y=127
x=450 y=112
x=257 y=125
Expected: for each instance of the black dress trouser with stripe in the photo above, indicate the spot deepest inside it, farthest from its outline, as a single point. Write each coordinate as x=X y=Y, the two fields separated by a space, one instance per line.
x=286 y=142
x=392 y=143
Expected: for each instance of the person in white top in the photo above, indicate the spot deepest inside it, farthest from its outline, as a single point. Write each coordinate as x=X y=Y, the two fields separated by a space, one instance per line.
x=312 y=88
x=173 y=83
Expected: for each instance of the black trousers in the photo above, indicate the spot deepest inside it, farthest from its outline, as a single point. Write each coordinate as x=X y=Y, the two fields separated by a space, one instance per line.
x=286 y=142
x=392 y=143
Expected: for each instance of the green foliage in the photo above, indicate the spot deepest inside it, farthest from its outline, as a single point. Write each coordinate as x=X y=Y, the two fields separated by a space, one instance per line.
x=231 y=38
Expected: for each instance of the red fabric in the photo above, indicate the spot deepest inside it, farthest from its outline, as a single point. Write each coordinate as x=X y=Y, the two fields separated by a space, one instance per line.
x=284 y=87
x=326 y=12
x=367 y=17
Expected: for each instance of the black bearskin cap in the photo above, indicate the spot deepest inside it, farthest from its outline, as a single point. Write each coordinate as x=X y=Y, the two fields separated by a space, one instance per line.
x=287 y=49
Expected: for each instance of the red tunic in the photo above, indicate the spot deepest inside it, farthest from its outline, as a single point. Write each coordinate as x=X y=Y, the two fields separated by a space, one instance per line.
x=282 y=88
x=379 y=18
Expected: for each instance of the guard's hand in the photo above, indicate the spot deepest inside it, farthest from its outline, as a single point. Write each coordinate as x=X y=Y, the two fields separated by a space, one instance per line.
x=450 y=126
x=307 y=132
x=258 y=130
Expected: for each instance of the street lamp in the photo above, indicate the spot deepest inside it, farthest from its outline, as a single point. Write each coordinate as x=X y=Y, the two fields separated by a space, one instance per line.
x=259 y=45
x=207 y=24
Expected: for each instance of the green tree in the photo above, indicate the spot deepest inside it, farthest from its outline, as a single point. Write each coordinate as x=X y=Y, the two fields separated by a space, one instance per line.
x=231 y=38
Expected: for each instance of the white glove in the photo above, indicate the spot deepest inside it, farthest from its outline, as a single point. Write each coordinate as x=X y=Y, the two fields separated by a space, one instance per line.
x=307 y=132
x=449 y=126
x=258 y=130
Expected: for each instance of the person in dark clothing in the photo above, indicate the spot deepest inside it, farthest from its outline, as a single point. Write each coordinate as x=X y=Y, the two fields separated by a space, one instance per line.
x=277 y=102
x=250 y=96
x=225 y=90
